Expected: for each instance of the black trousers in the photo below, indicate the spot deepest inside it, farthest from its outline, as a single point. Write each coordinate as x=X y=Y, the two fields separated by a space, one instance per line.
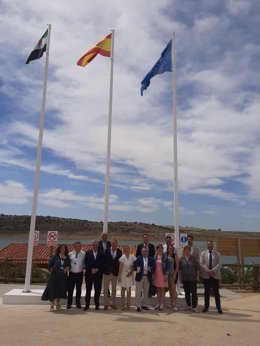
x=190 y=289
x=214 y=283
x=74 y=279
x=95 y=279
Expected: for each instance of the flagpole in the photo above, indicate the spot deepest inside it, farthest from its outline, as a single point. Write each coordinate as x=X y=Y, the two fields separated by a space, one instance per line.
x=107 y=182
x=37 y=173
x=175 y=151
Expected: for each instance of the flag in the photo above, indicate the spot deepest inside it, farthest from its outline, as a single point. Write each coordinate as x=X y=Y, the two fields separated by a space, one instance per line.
x=40 y=48
x=164 y=64
x=102 y=48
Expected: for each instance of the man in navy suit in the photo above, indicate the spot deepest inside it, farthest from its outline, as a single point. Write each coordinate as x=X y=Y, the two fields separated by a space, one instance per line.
x=104 y=244
x=94 y=264
x=144 y=267
x=151 y=252
x=150 y=247
x=111 y=269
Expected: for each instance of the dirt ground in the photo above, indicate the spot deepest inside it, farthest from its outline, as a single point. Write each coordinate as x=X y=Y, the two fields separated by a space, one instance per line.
x=32 y=325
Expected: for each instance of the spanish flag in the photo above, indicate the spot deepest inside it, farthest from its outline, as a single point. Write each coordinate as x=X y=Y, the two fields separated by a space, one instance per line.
x=102 y=48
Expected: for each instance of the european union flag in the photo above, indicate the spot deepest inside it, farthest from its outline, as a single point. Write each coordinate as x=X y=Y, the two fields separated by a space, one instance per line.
x=164 y=64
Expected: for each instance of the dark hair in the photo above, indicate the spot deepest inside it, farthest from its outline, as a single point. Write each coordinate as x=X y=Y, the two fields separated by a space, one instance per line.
x=190 y=236
x=77 y=242
x=159 y=246
x=57 y=252
x=172 y=250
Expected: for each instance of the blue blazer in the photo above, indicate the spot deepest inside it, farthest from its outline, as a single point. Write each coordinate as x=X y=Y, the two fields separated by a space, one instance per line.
x=139 y=268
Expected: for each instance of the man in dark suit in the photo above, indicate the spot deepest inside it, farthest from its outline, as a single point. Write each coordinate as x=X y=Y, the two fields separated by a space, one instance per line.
x=94 y=264
x=111 y=269
x=210 y=265
x=104 y=244
x=151 y=252
x=149 y=246
x=144 y=267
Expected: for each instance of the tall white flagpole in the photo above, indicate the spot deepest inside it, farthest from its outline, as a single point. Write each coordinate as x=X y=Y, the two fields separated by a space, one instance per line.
x=37 y=173
x=175 y=151
x=107 y=183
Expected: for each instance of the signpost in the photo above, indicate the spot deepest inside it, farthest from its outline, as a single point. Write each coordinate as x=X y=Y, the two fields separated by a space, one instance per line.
x=36 y=238
x=183 y=239
x=52 y=238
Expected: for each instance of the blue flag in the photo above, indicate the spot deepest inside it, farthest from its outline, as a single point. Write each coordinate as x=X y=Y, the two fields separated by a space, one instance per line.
x=164 y=64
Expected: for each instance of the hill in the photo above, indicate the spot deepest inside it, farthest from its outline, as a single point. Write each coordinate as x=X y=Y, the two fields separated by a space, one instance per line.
x=14 y=225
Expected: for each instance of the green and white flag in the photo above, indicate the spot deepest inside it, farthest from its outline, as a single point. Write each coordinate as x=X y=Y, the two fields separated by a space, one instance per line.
x=40 y=48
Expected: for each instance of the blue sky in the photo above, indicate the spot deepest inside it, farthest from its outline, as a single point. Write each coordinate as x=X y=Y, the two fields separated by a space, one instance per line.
x=218 y=109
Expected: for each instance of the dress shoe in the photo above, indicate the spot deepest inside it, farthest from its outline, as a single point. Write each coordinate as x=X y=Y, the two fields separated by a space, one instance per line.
x=144 y=307
x=220 y=312
x=138 y=309
x=79 y=306
x=205 y=310
x=85 y=308
x=97 y=307
x=105 y=307
x=68 y=307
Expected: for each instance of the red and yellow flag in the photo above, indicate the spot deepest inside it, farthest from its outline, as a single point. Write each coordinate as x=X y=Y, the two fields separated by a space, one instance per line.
x=102 y=48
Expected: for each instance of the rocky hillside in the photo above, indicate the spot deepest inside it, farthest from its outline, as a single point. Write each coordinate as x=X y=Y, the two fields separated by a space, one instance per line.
x=13 y=225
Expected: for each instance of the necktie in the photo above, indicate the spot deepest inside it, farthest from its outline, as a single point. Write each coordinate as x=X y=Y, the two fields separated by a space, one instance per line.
x=210 y=260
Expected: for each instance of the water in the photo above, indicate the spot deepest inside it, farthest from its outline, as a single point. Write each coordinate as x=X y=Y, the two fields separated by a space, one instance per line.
x=200 y=244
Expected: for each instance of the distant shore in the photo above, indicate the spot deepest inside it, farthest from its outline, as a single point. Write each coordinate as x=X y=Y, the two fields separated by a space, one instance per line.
x=203 y=235
x=17 y=227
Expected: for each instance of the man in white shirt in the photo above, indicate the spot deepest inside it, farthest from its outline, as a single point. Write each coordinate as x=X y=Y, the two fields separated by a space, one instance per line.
x=77 y=261
x=168 y=242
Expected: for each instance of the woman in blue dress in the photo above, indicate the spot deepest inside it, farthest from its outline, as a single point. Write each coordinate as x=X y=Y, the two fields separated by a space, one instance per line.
x=56 y=288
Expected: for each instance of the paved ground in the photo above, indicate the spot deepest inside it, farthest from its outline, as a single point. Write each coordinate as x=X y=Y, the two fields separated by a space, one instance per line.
x=35 y=325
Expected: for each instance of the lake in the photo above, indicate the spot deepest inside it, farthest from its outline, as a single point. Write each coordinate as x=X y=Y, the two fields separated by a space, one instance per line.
x=200 y=244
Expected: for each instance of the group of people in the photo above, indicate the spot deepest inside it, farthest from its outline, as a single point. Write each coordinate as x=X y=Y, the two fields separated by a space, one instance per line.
x=152 y=270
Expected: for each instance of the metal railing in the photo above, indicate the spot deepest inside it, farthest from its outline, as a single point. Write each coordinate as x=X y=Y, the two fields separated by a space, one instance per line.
x=245 y=276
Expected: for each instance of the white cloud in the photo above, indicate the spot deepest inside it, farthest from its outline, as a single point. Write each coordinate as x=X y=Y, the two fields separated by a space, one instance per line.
x=218 y=102
x=13 y=192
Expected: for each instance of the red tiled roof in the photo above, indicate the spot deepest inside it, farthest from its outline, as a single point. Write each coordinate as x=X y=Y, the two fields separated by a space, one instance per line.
x=17 y=252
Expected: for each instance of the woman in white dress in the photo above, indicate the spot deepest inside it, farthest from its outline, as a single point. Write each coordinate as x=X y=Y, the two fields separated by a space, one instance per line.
x=126 y=275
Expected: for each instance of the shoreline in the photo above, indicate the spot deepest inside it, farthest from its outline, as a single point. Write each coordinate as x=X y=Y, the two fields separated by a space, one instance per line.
x=136 y=236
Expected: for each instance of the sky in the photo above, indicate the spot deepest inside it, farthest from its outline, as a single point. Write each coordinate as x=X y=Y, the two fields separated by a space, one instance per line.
x=218 y=111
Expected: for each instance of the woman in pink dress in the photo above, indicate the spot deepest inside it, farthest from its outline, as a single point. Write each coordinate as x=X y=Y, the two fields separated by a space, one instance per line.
x=160 y=276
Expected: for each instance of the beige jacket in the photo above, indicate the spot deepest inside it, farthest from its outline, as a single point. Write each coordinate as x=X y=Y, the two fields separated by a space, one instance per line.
x=204 y=264
x=195 y=252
